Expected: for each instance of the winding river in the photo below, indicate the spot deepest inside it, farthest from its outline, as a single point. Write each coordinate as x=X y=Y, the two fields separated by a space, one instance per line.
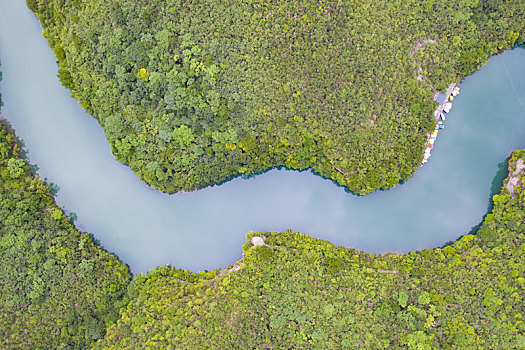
x=205 y=229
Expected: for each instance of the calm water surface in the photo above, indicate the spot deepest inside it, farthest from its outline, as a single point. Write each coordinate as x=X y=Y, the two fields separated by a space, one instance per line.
x=205 y=229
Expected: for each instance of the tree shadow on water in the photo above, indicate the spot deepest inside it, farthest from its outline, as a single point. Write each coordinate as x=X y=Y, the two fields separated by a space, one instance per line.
x=495 y=188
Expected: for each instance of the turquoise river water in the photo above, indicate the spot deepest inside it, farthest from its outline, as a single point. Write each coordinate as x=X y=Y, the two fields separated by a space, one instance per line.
x=205 y=229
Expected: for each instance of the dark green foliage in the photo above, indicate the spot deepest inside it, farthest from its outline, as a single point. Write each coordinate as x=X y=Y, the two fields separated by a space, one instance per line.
x=57 y=289
x=300 y=292
x=193 y=92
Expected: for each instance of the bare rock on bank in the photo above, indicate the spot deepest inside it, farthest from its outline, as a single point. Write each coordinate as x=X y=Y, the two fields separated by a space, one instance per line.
x=514 y=179
x=256 y=240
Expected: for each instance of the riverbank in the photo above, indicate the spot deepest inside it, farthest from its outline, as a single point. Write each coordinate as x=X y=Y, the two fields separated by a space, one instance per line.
x=445 y=105
x=291 y=290
x=204 y=229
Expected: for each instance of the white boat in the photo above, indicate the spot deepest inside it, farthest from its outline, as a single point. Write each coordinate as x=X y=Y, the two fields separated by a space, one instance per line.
x=442 y=115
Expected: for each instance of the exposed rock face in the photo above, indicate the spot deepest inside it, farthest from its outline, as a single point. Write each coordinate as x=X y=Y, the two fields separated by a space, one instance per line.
x=514 y=179
x=257 y=241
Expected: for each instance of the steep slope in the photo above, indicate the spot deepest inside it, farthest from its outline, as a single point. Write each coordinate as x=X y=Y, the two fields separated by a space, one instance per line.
x=192 y=93
x=58 y=290
x=298 y=292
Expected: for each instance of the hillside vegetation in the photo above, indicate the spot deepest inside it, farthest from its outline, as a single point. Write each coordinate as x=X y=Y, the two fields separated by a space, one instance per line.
x=190 y=93
x=58 y=290
x=300 y=292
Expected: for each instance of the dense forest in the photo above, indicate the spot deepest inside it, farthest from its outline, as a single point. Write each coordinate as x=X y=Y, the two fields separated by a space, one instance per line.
x=190 y=93
x=58 y=290
x=298 y=292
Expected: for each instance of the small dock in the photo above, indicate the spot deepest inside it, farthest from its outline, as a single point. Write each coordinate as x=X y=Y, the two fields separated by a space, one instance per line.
x=443 y=99
x=444 y=107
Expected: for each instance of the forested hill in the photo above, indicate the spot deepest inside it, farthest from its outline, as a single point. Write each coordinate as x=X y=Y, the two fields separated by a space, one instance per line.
x=58 y=290
x=192 y=92
x=296 y=292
